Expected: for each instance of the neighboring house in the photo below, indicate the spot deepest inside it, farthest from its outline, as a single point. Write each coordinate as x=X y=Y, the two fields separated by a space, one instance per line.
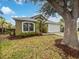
x=78 y=25
x=62 y=25
x=36 y=24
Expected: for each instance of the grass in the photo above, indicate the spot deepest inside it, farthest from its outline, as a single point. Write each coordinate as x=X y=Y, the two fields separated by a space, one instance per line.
x=38 y=47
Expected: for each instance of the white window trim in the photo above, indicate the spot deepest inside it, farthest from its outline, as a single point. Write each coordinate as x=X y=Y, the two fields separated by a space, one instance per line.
x=28 y=31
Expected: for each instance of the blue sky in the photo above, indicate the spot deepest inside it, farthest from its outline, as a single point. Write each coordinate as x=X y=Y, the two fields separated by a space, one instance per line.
x=13 y=8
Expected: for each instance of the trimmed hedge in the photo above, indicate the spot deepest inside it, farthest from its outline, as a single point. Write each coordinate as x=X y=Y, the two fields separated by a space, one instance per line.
x=24 y=35
x=29 y=34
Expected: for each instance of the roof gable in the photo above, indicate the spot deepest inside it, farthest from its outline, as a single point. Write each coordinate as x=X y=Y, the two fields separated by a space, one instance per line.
x=39 y=16
x=29 y=18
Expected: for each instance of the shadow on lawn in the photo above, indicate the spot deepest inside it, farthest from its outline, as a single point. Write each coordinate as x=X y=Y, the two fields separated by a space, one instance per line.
x=15 y=37
x=67 y=50
x=20 y=37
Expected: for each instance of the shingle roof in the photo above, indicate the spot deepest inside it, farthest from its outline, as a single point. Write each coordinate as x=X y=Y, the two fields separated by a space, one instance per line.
x=23 y=18
x=33 y=19
x=28 y=18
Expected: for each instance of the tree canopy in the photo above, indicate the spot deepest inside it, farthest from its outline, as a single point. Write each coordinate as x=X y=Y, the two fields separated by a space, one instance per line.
x=4 y=23
x=49 y=7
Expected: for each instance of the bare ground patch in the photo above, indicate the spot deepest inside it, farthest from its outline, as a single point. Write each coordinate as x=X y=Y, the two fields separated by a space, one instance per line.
x=67 y=50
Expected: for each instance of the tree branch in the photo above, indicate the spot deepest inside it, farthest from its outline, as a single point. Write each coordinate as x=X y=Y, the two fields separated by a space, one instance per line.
x=75 y=8
x=60 y=9
x=56 y=7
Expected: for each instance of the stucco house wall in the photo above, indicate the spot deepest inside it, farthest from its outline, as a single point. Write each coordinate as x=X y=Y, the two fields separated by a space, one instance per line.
x=18 y=26
x=41 y=26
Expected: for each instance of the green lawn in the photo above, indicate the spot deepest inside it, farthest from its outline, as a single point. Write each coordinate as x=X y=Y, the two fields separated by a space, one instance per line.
x=41 y=47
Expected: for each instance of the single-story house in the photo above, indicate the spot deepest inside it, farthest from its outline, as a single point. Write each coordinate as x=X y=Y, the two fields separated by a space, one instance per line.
x=36 y=23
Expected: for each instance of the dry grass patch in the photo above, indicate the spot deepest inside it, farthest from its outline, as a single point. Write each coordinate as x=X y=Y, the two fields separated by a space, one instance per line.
x=38 y=47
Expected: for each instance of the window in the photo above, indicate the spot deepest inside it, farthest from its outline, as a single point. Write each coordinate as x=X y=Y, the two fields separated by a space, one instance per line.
x=31 y=27
x=27 y=27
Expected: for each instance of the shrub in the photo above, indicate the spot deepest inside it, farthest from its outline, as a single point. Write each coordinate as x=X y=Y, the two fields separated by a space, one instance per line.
x=29 y=34
x=10 y=31
x=62 y=29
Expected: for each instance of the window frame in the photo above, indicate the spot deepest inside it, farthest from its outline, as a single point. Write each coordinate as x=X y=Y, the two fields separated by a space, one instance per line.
x=28 y=27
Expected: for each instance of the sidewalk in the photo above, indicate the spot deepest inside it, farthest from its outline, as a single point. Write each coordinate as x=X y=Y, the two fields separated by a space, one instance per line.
x=62 y=34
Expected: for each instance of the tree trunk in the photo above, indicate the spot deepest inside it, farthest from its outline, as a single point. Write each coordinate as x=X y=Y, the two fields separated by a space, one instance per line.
x=70 y=33
x=2 y=29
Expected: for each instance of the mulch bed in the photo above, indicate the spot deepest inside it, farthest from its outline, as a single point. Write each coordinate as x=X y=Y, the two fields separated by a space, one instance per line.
x=67 y=50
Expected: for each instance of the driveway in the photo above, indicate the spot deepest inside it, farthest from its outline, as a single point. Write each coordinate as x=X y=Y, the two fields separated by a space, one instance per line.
x=62 y=34
x=59 y=33
x=3 y=36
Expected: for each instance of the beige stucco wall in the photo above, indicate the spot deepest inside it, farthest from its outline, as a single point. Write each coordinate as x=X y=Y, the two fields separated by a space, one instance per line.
x=44 y=26
x=18 y=29
x=37 y=27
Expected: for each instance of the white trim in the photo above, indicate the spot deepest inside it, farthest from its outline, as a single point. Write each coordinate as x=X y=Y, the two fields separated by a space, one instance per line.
x=28 y=31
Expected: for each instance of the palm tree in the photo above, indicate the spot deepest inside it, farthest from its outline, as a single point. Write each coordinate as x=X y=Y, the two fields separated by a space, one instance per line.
x=9 y=25
x=2 y=22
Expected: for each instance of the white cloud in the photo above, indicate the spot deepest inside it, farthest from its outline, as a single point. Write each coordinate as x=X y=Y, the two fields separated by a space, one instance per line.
x=19 y=1
x=7 y=10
